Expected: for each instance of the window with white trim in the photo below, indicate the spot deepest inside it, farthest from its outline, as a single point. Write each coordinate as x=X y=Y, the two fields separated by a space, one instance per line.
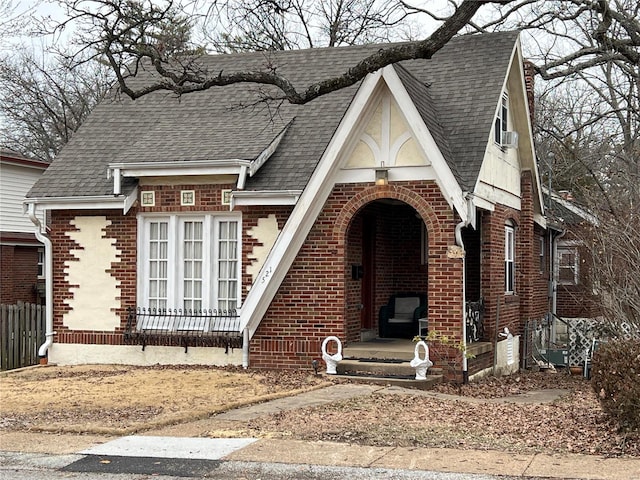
x=568 y=265
x=41 y=263
x=189 y=262
x=509 y=258
x=501 y=121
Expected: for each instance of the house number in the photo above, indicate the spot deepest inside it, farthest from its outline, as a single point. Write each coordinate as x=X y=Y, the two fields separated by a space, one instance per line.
x=267 y=274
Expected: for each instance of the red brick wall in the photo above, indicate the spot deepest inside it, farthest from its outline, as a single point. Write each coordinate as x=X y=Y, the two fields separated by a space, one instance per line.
x=124 y=230
x=353 y=287
x=530 y=297
x=493 y=280
x=540 y=275
x=317 y=296
x=535 y=301
x=311 y=302
x=19 y=274
x=577 y=301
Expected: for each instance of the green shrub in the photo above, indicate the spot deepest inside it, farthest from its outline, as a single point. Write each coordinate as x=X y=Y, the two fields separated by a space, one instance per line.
x=615 y=376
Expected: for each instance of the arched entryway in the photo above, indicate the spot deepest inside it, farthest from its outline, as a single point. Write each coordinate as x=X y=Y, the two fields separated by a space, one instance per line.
x=386 y=251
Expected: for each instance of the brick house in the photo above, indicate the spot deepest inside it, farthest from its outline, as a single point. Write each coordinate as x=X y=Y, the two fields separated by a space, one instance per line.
x=303 y=219
x=21 y=254
x=574 y=294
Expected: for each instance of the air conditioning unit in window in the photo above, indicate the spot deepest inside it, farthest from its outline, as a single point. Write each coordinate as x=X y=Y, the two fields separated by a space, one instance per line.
x=510 y=139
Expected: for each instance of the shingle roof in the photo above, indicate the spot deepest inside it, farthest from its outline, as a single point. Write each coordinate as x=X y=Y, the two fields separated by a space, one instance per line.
x=564 y=213
x=456 y=93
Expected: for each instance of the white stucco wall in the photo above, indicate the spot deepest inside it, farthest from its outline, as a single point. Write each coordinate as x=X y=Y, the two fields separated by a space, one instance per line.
x=266 y=232
x=96 y=294
x=79 y=354
x=385 y=139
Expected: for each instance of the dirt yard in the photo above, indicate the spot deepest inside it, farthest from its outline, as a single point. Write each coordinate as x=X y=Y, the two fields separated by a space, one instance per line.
x=120 y=400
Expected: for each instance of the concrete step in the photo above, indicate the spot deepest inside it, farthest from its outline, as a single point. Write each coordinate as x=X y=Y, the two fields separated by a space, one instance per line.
x=381 y=367
x=403 y=382
x=390 y=367
x=390 y=372
x=384 y=352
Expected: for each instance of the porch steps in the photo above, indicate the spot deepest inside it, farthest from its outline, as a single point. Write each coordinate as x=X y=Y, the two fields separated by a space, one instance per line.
x=385 y=372
x=384 y=362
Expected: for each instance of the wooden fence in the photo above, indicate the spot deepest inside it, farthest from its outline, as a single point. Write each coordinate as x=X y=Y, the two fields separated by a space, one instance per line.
x=22 y=330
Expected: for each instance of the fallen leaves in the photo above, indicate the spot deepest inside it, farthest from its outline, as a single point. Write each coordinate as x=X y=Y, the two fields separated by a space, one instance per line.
x=574 y=423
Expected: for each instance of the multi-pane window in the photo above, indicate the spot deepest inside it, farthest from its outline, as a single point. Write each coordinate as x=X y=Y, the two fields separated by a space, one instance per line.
x=228 y=264
x=189 y=262
x=509 y=258
x=157 y=263
x=41 y=262
x=192 y=244
x=568 y=265
x=501 y=121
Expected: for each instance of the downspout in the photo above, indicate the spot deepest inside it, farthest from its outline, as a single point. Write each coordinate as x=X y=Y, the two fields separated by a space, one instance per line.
x=554 y=279
x=48 y=278
x=245 y=348
x=471 y=213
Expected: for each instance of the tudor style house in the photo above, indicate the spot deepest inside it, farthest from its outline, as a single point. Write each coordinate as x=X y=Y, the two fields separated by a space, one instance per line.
x=226 y=221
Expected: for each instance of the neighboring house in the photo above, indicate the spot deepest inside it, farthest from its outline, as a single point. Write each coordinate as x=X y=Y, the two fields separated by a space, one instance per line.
x=575 y=291
x=22 y=255
x=306 y=219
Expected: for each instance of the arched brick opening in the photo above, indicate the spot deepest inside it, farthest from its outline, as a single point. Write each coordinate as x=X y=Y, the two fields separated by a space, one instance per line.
x=369 y=279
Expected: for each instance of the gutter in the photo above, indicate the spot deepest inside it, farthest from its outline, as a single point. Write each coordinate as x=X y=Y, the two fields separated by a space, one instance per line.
x=471 y=220
x=48 y=278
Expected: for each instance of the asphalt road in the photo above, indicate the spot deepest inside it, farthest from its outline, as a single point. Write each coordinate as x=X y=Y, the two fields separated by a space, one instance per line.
x=20 y=466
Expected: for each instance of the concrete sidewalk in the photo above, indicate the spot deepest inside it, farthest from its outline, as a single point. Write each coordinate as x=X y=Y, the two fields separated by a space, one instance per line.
x=169 y=441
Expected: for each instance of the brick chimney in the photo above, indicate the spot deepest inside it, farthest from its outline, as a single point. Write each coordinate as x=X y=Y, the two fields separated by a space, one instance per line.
x=529 y=74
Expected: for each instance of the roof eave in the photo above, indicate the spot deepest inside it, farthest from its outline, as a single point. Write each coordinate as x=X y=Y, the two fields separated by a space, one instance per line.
x=197 y=167
x=91 y=202
x=264 y=197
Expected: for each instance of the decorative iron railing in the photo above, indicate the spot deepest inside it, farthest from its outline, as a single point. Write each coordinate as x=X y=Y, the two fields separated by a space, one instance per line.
x=186 y=328
x=474 y=316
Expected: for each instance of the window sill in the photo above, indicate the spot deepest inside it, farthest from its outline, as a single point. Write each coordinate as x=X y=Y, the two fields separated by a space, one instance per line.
x=511 y=298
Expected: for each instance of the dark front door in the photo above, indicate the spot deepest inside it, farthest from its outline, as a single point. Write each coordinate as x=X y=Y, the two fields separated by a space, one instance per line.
x=368 y=272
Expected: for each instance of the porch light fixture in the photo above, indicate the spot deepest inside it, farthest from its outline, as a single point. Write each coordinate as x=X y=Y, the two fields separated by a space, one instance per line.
x=382 y=176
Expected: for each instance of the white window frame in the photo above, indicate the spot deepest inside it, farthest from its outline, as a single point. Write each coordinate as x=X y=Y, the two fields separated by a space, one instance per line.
x=501 y=123
x=40 y=263
x=175 y=258
x=509 y=258
x=568 y=249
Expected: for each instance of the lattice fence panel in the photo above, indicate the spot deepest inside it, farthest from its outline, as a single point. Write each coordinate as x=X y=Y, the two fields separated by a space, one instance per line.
x=581 y=334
